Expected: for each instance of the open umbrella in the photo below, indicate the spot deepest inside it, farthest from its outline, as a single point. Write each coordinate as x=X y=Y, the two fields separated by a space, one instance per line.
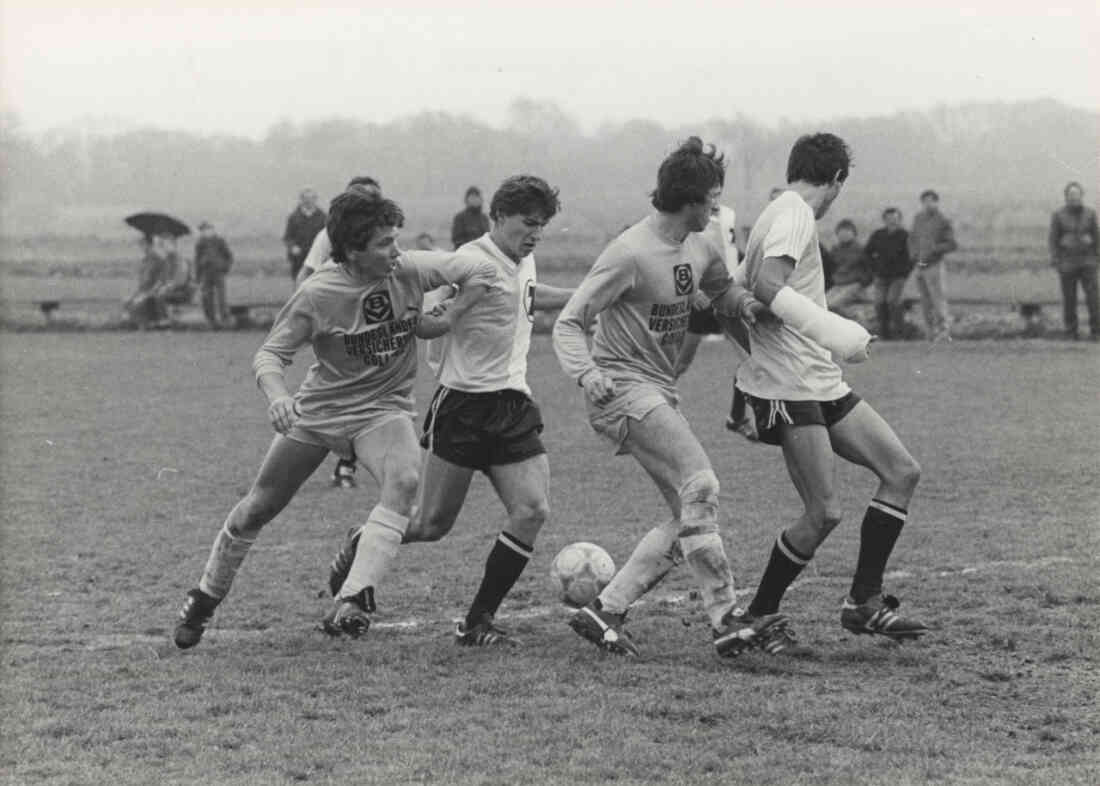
x=158 y=224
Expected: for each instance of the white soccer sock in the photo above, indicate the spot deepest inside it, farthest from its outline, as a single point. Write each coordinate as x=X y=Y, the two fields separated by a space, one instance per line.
x=379 y=540
x=226 y=556
x=655 y=555
x=706 y=557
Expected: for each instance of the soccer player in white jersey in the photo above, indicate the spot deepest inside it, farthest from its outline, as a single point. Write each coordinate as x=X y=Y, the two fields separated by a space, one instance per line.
x=482 y=417
x=802 y=403
x=642 y=287
x=360 y=315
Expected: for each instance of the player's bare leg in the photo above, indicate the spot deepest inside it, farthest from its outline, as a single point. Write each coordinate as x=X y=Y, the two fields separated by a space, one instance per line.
x=865 y=438
x=391 y=455
x=285 y=467
x=443 y=489
x=663 y=443
x=524 y=488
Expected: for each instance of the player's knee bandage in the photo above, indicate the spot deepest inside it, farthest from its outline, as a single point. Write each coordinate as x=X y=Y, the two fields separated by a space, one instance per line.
x=699 y=498
x=840 y=336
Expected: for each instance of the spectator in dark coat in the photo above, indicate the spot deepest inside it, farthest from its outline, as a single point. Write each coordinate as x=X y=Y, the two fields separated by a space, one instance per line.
x=851 y=276
x=212 y=262
x=302 y=226
x=887 y=253
x=1072 y=240
x=471 y=222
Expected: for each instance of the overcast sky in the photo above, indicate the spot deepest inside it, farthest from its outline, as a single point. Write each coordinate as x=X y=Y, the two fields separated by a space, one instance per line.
x=239 y=68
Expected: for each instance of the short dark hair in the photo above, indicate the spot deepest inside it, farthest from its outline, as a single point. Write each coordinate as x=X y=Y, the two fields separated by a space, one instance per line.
x=1073 y=184
x=472 y=191
x=354 y=217
x=847 y=223
x=526 y=195
x=364 y=180
x=929 y=192
x=818 y=159
x=890 y=210
x=687 y=175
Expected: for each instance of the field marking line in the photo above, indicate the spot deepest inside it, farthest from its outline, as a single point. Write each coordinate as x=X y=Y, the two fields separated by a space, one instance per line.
x=110 y=641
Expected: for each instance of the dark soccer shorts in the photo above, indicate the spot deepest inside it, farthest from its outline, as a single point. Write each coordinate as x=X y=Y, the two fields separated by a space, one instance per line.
x=482 y=430
x=771 y=415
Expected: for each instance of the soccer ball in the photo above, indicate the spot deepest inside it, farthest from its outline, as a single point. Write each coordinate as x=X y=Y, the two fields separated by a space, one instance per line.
x=580 y=571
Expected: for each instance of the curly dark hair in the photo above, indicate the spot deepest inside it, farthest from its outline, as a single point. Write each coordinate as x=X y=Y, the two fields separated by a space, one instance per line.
x=525 y=195
x=688 y=175
x=818 y=158
x=354 y=217
x=364 y=180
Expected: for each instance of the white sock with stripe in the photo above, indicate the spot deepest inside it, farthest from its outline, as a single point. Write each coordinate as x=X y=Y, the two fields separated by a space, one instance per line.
x=226 y=556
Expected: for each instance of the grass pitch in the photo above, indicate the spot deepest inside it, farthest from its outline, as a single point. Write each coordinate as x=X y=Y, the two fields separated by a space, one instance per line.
x=121 y=454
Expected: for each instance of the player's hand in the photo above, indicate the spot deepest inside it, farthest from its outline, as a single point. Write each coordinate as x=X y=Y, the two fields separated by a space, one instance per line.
x=440 y=308
x=283 y=413
x=599 y=388
x=756 y=313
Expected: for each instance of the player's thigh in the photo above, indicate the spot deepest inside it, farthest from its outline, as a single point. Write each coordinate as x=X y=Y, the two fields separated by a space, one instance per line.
x=287 y=465
x=390 y=452
x=808 y=454
x=666 y=447
x=443 y=489
x=864 y=437
x=523 y=487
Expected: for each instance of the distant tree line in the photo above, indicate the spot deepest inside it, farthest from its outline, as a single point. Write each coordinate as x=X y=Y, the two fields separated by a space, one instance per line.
x=988 y=157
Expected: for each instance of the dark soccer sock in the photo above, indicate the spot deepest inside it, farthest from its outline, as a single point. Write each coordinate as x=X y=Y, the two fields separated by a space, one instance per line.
x=737 y=406
x=783 y=567
x=503 y=567
x=882 y=524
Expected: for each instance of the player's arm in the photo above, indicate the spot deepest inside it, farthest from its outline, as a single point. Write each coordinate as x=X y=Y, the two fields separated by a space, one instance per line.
x=293 y=329
x=843 y=337
x=472 y=276
x=548 y=298
x=609 y=278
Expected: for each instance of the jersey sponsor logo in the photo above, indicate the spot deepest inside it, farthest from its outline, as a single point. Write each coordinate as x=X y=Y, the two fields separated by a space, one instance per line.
x=670 y=321
x=377 y=307
x=684 y=279
x=379 y=344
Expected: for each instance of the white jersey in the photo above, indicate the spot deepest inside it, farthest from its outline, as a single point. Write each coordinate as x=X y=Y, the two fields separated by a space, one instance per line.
x=783 y=363
x=486 y=350
x=319 y=252
x=723 y=227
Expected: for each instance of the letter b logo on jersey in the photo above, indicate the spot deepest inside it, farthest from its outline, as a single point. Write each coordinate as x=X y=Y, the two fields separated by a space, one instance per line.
x=684 y=278
x=377 y=307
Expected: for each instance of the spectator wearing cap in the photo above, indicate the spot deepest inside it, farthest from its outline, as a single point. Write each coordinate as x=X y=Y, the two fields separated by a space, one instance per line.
x=1072 y=240
x=930 y=240
x=851 y=274
x=887 y=254
x=212 y=262
x=471 y=222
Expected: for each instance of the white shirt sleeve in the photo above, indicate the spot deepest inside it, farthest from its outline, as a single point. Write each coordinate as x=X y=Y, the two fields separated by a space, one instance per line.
x=790 y=234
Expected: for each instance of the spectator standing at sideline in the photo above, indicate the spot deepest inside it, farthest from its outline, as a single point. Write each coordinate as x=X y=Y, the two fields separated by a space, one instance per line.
x=887 y=254
x=930 y=240
x=851 y=274
x=212 y=262
x=470 y=223
x=302 y=226
x=1073 y=252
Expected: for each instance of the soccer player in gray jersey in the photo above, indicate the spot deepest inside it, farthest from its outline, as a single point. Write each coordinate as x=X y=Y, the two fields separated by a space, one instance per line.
x=802 y=403
x=642 y=288
x=360 y=315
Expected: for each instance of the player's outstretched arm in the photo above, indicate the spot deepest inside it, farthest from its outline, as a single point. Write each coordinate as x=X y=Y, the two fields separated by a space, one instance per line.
x=609 y=278
x=843 y=337
x=548 y=298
